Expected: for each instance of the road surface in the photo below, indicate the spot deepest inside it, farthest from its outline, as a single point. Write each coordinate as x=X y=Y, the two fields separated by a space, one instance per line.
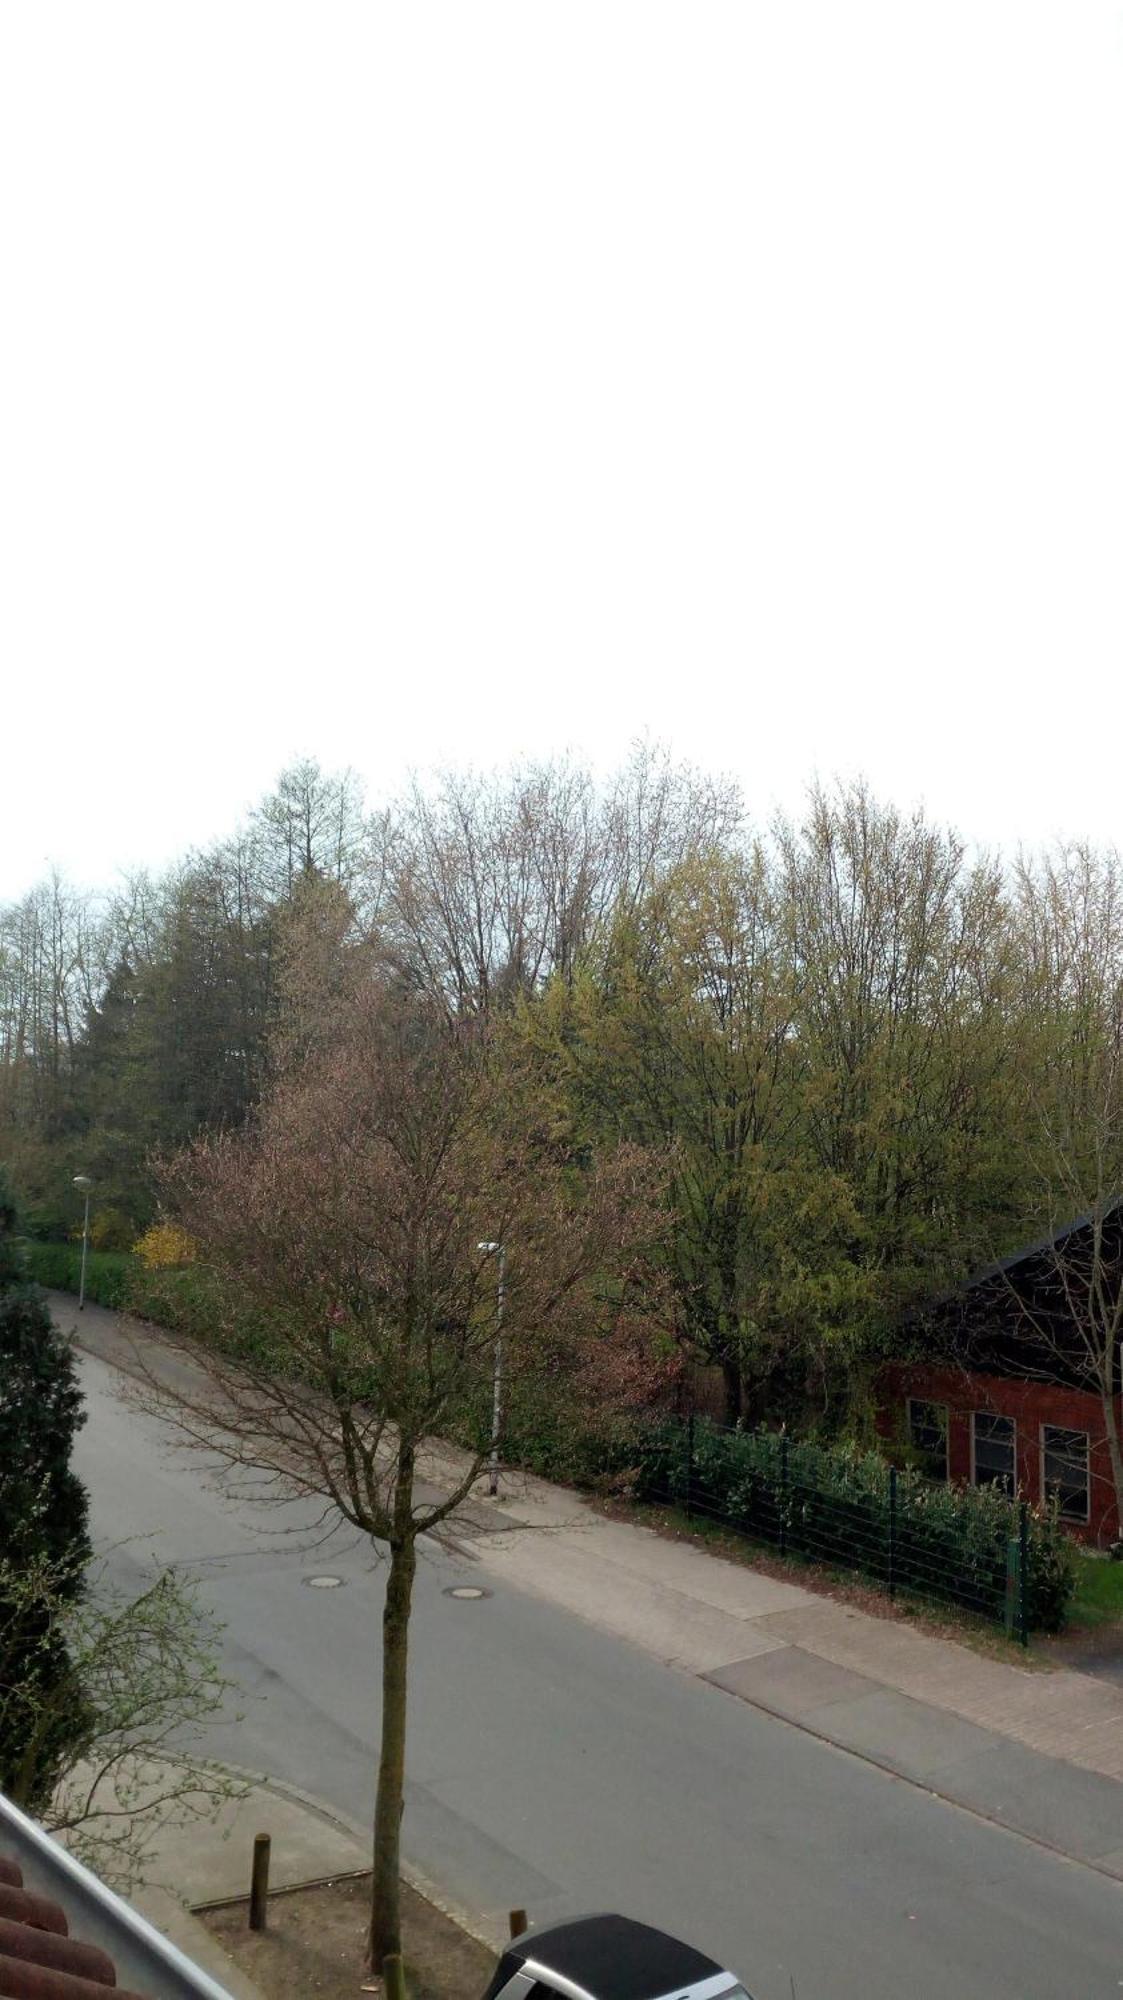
x=554 y=1767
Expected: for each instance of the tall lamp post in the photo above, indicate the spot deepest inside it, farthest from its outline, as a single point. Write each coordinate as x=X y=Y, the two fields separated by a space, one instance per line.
x=499 y=1250
x=84 y=1183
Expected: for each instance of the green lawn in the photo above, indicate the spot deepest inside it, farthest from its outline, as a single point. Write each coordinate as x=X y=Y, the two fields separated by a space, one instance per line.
x=1099 y=1591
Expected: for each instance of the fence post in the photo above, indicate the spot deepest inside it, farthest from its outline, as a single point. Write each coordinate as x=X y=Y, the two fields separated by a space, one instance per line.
x=784 y=1494
x=1023 y=1574
x=1011 y=1617
x=892 y=1577
x=259 y=1881
x=690 y=1464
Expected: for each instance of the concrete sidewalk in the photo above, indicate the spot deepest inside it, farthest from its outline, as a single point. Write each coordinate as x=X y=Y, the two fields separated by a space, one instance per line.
x=701 y=1611
x=1038 y=1751
x=190 y=1866
x=196 y=1866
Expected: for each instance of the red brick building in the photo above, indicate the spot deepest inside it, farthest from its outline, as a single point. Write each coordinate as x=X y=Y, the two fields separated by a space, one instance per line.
x=1008 y=1388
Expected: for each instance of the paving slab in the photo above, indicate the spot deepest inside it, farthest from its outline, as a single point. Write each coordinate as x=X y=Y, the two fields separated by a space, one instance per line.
x=575 y=1572
x=910 y=1737
x=1077 y=1811
x=790 y=1681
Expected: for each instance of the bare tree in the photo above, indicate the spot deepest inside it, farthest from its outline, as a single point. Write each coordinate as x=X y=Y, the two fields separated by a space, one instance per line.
x=490 y=886
x=1071 y=910
x=356 y=1214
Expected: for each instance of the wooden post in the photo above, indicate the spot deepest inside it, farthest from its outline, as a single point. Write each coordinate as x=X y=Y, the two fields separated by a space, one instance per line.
x=517 y=1922
x=393 y=1976
x=259 y=1881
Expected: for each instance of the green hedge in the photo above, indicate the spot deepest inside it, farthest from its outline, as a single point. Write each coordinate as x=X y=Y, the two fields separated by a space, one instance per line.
x=185 y=1299
x=552 y=1435
x=832 y=1504
x=109 y=1273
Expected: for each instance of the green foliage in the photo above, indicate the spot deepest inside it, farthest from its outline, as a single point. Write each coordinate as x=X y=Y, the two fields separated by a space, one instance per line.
x=110 y=1229
x=1099 y=1591
x=42 y=1716
x=191 y=1299
x=554 y=1436
x=100 y=1700
x=109 y=1273
x=832 y=1504
x=43 y=1513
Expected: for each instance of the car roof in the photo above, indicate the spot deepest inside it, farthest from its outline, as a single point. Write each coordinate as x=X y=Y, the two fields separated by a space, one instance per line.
x=616 y=1958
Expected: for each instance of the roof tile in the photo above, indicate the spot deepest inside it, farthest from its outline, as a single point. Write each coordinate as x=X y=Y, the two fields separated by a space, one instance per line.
x=38 y=1959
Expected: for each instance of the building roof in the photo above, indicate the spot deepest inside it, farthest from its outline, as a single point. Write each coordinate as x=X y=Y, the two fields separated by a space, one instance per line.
x=65 y=1936
x=1021 y=1315
x=616 y=1958
x=39 y=1960
x=1049 y=1244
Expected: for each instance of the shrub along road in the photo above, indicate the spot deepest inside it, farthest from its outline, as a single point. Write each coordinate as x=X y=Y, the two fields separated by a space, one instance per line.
x=555 y=1763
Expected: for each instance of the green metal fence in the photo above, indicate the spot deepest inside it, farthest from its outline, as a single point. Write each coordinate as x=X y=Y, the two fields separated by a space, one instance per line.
x=976 y=1550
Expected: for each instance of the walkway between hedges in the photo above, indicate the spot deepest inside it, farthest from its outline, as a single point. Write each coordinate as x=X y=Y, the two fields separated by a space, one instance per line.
x=1038 y=1750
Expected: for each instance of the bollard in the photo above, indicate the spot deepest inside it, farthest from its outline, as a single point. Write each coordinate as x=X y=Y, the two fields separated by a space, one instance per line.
x=259 y=1881
x=393 y=1976
x=517 y=1922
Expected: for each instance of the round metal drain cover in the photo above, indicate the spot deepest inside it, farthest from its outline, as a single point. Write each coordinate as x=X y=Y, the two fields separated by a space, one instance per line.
x=466 y=1592
x=323 y=1582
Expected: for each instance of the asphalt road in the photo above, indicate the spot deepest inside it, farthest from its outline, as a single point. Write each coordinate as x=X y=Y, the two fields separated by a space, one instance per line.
x=556 y=1767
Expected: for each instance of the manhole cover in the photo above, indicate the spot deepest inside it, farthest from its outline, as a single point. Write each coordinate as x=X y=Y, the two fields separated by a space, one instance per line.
x=466 y=1591
x=323 y=1582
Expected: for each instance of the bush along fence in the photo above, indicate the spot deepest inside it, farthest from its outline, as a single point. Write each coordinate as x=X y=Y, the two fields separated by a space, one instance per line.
x=971 y=1547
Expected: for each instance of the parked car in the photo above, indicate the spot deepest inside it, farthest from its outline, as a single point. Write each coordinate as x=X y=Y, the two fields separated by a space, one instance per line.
x=608 y=1958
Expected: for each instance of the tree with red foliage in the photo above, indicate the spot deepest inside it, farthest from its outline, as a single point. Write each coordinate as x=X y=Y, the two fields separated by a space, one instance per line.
x=390 y=1148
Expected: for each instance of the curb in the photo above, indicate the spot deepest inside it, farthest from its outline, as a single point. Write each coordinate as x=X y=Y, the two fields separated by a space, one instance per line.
x=933 y=1791
x=469 y=1921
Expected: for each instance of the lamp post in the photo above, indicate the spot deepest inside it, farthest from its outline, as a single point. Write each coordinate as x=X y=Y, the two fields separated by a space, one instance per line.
x=84 y=1182
x=496 y=1249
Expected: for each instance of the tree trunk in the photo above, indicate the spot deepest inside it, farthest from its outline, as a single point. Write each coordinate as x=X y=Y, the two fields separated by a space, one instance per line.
x=1113 y=1446
x=385 y=1914
x=734 y=1393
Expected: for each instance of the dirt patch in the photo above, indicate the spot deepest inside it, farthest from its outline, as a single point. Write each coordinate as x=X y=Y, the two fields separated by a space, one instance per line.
x=1090 y=1649
x=313 y=1945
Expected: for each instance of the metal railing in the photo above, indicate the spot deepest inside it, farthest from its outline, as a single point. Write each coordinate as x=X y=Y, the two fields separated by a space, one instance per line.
x=765 y=1489
x=144 y=1959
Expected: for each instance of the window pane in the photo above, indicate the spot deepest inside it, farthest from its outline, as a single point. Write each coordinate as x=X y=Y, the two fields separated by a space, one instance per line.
x=928 y=1435
x=994 y=1451
x=1065 y=1470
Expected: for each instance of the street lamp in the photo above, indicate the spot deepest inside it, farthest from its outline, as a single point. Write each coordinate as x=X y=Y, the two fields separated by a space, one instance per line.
x=500 y=1250
x=84 y=1182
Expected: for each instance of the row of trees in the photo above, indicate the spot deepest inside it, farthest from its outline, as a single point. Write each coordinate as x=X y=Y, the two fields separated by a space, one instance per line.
x=873 y=1058
x=721 y=1095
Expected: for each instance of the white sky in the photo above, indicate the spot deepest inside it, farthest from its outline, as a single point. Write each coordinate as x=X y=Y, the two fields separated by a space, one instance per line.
x=441 y=382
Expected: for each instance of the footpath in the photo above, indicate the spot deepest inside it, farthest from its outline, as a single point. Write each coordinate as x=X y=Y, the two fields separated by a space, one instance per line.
x=1037 y=1750
x=204 y=1864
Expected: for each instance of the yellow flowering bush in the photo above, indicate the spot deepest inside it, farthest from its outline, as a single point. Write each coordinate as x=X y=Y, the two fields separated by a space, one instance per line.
x=165 y=1246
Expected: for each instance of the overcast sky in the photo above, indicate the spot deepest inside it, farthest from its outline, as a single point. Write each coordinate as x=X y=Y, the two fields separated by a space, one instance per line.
x=421 y=383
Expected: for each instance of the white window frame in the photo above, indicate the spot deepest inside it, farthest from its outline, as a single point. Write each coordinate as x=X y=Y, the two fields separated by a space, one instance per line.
x=1073 y=1430
x=926 y=1403
x=989 y=1416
